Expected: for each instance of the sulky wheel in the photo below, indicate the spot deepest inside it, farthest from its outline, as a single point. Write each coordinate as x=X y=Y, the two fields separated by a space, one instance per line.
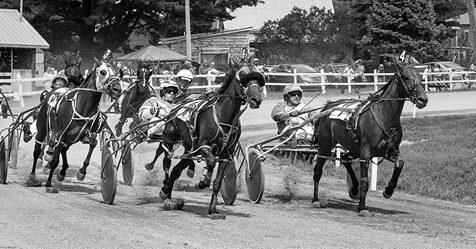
x=108 y=175
x=3 y=161
x=254 y=176
x=356 y=169
x=128 y=165
x=13 y=151
x=228 y=187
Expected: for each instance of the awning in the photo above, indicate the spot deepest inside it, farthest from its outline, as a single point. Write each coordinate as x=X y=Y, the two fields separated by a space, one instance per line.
x=153 y=53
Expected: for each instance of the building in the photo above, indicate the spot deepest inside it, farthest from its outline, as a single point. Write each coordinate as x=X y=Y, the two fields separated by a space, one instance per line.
x=217 y=47
x=20 y=50
x=460 y=50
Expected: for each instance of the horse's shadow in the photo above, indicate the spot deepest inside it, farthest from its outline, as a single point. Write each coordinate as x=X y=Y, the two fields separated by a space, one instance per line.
x=337 y=204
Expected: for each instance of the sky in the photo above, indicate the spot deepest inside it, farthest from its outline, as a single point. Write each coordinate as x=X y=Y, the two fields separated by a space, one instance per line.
x=270 y=10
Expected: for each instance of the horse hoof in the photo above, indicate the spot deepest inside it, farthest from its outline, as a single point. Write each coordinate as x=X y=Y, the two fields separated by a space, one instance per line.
x=170 y=205
x=149 y=166
x=387 y=193
x=60 y=177
x=319 y=204
x=200 y=185
x=51 y=190
x=48 y=157
x=163 y=195
x=365 y=213
x=217 y=216
x=190 y=173
x=33 y=182
x=80 y=176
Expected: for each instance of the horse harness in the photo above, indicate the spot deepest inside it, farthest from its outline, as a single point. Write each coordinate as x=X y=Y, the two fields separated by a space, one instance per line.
x=89 y=121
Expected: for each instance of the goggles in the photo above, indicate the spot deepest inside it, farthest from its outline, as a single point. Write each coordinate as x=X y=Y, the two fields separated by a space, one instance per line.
x=292 y=94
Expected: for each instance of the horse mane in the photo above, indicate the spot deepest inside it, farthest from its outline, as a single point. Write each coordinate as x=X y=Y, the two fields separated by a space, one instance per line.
x=227 y=81
x=84 y=84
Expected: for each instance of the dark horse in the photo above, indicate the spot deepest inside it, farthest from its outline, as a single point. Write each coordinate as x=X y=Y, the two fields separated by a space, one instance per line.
x=376 y=133
x=73 y=68
x=75 y=117
x=216 y=129
x=134 y=97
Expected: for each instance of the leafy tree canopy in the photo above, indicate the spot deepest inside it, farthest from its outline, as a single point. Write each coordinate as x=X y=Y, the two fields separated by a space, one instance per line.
x=92 y=26
x=393 y=26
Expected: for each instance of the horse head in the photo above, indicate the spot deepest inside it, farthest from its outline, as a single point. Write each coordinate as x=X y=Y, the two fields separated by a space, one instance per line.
x=143 y=75
x=73 y=67
x=106 y=78
x=413 y=86
x=250 y=82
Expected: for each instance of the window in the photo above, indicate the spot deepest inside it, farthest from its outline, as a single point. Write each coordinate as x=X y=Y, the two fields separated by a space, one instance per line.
x=22 y=58
x=217 y=55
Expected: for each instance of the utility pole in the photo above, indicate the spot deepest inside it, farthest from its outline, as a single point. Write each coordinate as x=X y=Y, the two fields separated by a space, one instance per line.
x=472 y=25
x=188 y=33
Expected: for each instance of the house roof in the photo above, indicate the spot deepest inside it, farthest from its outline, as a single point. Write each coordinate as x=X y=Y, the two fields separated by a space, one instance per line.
x=203 y=35
x=463 y=19
x=153 y=53
x=257 y=15
x=18 y=34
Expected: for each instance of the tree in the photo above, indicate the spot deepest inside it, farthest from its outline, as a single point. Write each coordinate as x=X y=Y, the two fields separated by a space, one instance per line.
x=300 y=36
x=393 y=26
x=92 y=26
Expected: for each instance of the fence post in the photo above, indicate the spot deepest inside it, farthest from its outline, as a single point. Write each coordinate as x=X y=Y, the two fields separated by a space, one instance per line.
x=295 y=76
x=426 y=81
x=338 y=152
x=209 y=81
x=349 y=87
x=451 y=79
x=373 y=174
x=375 y=80
x=20 y=91
x=323 y=81
x=414 y=110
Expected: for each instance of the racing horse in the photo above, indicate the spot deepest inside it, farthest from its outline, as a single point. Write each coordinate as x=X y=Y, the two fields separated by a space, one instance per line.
x=375 y=131
x=134 y=97
x=74 y=117
x=216 y=130
x=73 y=68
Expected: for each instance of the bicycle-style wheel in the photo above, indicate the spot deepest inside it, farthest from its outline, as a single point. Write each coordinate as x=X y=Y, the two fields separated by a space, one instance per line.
x=228 y=187
x=13 y=149
x=128 y=165
x=254 y=176
x=3 y=161
x=108 y=175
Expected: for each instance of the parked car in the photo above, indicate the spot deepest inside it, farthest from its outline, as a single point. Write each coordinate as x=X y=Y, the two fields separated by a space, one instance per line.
x=337 y=68
x=447 y=66
x=301 y=69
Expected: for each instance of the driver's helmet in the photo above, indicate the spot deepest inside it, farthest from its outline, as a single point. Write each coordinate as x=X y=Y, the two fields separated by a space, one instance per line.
x=185 y=77
x=59 y=80
x=168 y=86
x=291 y=88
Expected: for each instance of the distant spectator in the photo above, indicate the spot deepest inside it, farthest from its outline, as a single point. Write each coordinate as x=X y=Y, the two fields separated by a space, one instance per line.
x=360 y=77
x=48 y=73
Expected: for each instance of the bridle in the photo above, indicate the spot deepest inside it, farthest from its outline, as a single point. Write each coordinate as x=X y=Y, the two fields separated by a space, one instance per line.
x=409 y=88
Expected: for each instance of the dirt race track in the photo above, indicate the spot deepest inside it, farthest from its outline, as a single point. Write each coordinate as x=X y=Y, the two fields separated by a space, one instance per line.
x=76 y=218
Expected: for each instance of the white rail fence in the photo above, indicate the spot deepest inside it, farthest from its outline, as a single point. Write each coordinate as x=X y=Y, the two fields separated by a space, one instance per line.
x=19 y=88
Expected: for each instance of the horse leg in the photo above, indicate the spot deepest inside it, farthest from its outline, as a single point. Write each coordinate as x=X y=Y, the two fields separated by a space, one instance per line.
x=53 y=164
x=166 y=190
x=317 y=177
x=212 y=210
x=364 y=187
x=205 y=183
x=62 y=172
x=119 y=126
x=33 y=182
x=392 y=184
x=354 y=191
x=158 y=152
x=92 y=144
